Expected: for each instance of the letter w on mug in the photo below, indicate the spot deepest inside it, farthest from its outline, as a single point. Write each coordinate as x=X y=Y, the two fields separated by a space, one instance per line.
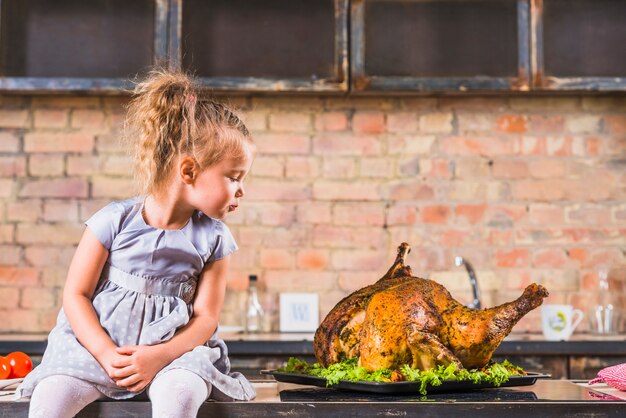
x=558 y=322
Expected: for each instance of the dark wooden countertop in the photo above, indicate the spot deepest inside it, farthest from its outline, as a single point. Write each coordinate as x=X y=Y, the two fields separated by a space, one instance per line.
x=547 y=398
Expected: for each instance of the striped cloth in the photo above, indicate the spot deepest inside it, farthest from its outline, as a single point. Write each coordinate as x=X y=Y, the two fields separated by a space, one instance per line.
x=614 y=376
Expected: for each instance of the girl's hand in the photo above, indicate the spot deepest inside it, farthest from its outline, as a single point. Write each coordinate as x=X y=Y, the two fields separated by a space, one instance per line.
x=108 y=359
x=137 y=366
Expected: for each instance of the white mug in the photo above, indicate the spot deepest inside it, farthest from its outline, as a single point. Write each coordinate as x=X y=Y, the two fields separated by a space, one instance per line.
x=558 y=322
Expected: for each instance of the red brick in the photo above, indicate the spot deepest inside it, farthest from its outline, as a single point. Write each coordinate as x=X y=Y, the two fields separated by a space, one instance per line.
x=60 y=211
x=109 y=143
x=510 y=169
x=579 y=254
x=300 y=281
x=50 y=101
x=401 y=215
x=413 y=190
x=7 y=233
x=427 y=260
x=357 y=260
x=559 y=146
x=237 y=280
x=440 y=122
x=10 y=255
x=347 y=237
x=7 y=187
x=454 y=238
x=475 y=122
x=513 y=124
x=255 y=120
x=402 y=122
x=33 y=298
x=116 y=165
x=582 y=123
x=14 y=118
x=601 y=257
x=12 y=166
x=273 y=214
x=50 y=118
x=364 y=214
x=49 y=255
x=283 y=143
x=368 y=123
x=376 y=167
x=471 y=168
x=276 y=258
x=20 y=320
x=547 y=168
x=84 y=165
x=615 y=124
x=472 y=214
x=432 y=168
x=13 y=276
x=61 y=187
x=46 y=164
x=436 y=214
x=545 y=104
x=546 y=124
x=588 y=189
x=539 y=190
x=312 y=259
x=511 y=258
x=58 y=142
x=544 y=214
x=9 y=142
x=111 y=187
x=9 y=298
x=314 y=213
x=88 y=207
x=304 y=167
x=345 y=144
x=340 y=191
x=24 y=210
x=531 y=145
x=500 y=237
x=331 y=121
x=351 y=281
x=269 y=190
x=49 y=233
x=87 y=118
x=589 y=215
x=270 y=166
x=53 y=276
x=339 y=167
x=487 y=146
x=290 y=122
x=550 y=258
x=590 y=146
x=410 y=144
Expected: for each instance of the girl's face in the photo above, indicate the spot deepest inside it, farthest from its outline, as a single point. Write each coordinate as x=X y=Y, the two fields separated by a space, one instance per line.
x=217 y=189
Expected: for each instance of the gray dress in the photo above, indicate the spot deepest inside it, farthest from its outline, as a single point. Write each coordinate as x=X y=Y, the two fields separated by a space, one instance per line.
x=143 y=297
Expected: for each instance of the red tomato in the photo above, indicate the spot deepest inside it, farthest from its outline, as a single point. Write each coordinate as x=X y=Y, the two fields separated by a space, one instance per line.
x=21 y=364
x=5 y=368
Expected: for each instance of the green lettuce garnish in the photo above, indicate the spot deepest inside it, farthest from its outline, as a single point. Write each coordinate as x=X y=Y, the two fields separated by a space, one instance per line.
x=348 y=369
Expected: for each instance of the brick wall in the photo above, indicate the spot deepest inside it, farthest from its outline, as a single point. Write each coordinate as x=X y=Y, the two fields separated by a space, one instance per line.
x=527 y=189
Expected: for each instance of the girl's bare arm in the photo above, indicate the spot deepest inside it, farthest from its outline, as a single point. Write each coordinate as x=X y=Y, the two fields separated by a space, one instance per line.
x=82 y=279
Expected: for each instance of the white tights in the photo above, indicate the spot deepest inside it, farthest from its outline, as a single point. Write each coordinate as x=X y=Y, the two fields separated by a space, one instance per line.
x=177 y=393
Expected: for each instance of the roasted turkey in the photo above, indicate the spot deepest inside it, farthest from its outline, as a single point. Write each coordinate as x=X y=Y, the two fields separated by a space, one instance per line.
x=402 y=319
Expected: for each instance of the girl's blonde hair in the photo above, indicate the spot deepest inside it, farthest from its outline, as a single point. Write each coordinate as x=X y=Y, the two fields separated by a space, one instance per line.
x=168 y=117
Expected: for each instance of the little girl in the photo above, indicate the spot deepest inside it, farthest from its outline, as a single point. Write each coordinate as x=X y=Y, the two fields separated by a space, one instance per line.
x=146 y=285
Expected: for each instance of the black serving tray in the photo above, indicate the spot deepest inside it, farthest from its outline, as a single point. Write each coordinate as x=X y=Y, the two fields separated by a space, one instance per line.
x=402 y=387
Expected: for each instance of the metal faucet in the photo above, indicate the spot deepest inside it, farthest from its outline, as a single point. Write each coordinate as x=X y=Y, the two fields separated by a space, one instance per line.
x=458 y=261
